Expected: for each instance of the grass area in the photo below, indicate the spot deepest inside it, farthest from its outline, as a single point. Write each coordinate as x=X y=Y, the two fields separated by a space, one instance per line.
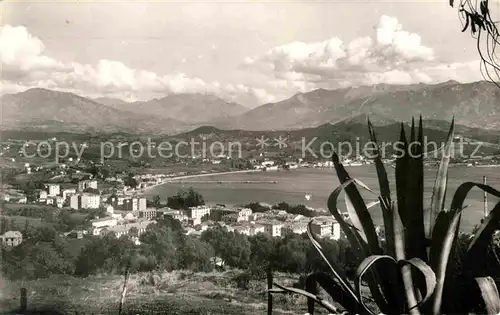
x=15 y=206
x=19 y=221
x=178 y=292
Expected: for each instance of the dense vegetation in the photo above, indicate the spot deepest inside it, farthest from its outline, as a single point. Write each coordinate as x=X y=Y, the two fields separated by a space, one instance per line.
x=164 y=246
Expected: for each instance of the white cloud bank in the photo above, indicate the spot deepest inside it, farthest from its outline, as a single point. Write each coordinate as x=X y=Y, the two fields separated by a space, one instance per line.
x=24 y=66
x=392 y=55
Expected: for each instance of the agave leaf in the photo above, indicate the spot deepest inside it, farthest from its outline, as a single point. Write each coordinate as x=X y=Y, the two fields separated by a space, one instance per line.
x=362 y=213
x=379 y=286
x=489 y=293
x=383 y=180
x=416 y=234
x=336 y=270
x=464 y=189
x=385 y=191
x=354 y=218
x=428 y=274
x=327 y=305
x=444 y=250
x=360 y=247
x=439 y=190
x=372 y=204
x=410 y=174
x=402 y=174
x=332 y=207
x=363 y=268
x=480 y=243
x=334 y=289
x=400 y=254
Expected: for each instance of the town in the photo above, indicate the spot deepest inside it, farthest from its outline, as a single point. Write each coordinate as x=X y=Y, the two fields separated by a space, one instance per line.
x=128 y=214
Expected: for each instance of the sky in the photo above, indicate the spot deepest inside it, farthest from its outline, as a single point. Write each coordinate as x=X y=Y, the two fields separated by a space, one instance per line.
x=250 y=52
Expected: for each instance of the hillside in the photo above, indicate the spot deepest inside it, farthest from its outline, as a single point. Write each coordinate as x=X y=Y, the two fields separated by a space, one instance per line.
x=46 y=110
x=189 y=108
x=108 y=101
x=347 y=130
x=474 y=105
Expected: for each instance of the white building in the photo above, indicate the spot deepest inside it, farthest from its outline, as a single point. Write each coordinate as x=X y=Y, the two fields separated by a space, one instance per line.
x=296 y=228
x=336 y=231
x=43 y=196
x=256 y=229
x=110 y=209
x=74 y=202
x=59 y=201
x=134 y=204
x=11 y=238
x=244 y=214
x=272 y=228
x=90 y=201
x=85 y=201
x=99 y=224
x=322 y=229
x=124 y=229
x=196 y=213
x=54 y=190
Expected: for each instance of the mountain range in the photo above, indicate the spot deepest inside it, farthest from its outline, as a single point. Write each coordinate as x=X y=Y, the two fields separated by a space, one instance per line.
x=474 y=105
x=189 y=108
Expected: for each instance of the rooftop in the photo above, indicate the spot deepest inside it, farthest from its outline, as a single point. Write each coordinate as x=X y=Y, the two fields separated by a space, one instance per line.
x=102 y=219
x=12 y=234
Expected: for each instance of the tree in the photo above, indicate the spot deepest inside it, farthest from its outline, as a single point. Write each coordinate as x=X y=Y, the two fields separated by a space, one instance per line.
x=262 y=248
x=133 y=232
x=233 y=248
x=130 y=181
x=476 y=17
x=156 y=202
x=185 y=199
x=196 y=255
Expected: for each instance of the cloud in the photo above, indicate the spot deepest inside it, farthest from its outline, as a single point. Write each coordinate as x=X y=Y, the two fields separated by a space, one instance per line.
x=25 y=65
x=391 y=55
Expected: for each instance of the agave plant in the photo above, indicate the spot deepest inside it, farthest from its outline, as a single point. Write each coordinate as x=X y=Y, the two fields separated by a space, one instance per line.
x=414 y=269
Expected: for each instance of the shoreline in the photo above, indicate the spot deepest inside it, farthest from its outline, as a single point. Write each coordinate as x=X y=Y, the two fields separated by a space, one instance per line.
x=171 y=179
x=177 y=178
